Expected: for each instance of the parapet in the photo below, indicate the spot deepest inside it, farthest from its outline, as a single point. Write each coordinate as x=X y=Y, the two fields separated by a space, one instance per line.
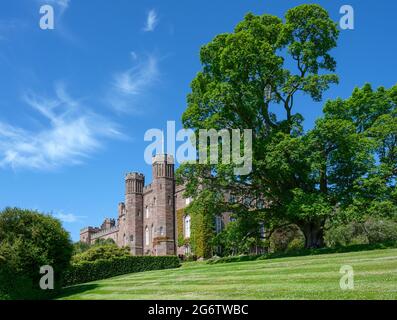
x=134 y=175
x=163 y=158
x=89 y=229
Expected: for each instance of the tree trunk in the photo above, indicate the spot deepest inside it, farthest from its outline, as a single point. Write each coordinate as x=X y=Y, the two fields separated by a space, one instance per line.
x=314 y=234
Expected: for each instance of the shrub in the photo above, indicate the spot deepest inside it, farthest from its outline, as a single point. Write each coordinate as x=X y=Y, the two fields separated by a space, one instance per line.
x=371 y=231
x=98 y=252
x=101 y=269
x=380 y=230
x=305 y=252
x=28 y=241
x=295 y=244
x=282 y=237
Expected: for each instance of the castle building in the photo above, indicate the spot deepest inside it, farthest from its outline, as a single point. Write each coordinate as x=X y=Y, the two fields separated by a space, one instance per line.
x=147 y=219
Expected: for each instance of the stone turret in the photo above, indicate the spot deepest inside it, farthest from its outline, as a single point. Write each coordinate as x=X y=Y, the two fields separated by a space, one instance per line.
x=163 y=222
x=132 y=233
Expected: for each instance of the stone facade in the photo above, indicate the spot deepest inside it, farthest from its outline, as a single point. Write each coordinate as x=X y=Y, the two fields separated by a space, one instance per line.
x=147 y=219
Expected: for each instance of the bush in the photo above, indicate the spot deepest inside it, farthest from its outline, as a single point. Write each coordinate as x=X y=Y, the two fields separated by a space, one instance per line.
x=281 y=238
x=380 y=230
x=306 y=252
x=101 y=269
x=98 y=252
x=373 y=230
x=28 y=241
x=295 y=244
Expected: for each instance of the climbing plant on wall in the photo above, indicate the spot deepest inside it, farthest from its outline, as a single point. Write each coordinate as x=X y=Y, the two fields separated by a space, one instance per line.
x=202 y=212
x=180 y=216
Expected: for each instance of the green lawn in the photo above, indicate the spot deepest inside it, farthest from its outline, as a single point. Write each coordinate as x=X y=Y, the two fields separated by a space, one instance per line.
x=309 y=277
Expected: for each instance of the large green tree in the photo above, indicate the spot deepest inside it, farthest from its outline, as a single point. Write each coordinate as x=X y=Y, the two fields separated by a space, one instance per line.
x=260 y=66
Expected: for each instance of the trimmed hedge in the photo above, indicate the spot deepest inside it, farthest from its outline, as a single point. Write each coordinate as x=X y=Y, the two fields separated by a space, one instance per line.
x=101 y=269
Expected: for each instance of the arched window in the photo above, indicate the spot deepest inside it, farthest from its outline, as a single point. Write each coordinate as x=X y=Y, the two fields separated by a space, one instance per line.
x=152 y=232
x=161 y=231
x=187 y=227
x=147 y=236
x=147 y=211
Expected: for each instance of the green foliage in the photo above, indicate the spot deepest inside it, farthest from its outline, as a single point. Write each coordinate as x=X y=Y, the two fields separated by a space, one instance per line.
x=239 y=237
x=104 y=252
x=101 y=269
x=296 y=244
x=201 y=234
x=370 y=231
x=104 y=242
x=28 y=241
x=305 y=252
x=180 y=215
x=265 y=61
x=286 y=239
x=202 y=212
x=80 y=247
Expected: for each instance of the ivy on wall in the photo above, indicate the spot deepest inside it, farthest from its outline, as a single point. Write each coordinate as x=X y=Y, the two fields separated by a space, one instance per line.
x=202 y=233
x=202 y=212
x=180 y=216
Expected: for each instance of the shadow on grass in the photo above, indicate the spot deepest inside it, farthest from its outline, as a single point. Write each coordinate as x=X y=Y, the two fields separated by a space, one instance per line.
x=77 y=289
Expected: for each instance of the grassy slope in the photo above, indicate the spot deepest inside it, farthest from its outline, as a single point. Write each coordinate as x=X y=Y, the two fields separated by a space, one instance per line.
x=310 y=277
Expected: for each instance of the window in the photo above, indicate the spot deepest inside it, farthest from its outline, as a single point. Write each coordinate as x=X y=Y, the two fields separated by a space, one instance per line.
x=262 y=230
x=187 y=227
x=147 y=211
x=169 y=200
x=260 y=204
x=161 y=231
x=218 y=224
x=152 y=232
x=188 y=200
x=154 y=201
x=247 y=201
x=147 y=236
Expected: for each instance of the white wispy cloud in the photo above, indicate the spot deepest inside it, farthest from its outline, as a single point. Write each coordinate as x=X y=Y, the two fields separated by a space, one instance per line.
x=151 y=21
x=61 y=4
x=71 y=132
x=69 y=217
x=128 y=85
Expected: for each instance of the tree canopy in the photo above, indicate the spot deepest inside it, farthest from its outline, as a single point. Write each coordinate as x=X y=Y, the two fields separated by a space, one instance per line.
x=347 y=160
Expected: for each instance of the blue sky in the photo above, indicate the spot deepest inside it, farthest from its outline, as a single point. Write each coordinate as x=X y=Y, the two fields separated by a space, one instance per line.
x=76 y=101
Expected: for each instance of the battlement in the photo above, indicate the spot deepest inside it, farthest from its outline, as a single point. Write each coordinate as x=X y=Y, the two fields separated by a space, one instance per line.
x=147 y=188
x=104 y=232
x=163 y=158
x=89 y=229
x=134 y=175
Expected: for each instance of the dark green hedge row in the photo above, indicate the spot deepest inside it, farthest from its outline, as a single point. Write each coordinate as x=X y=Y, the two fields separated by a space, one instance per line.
x=304 y=252
x=102 y=269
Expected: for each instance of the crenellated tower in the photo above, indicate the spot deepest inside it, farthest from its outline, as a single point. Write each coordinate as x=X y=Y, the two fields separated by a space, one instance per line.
x=164 y=223
x=132 y=231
